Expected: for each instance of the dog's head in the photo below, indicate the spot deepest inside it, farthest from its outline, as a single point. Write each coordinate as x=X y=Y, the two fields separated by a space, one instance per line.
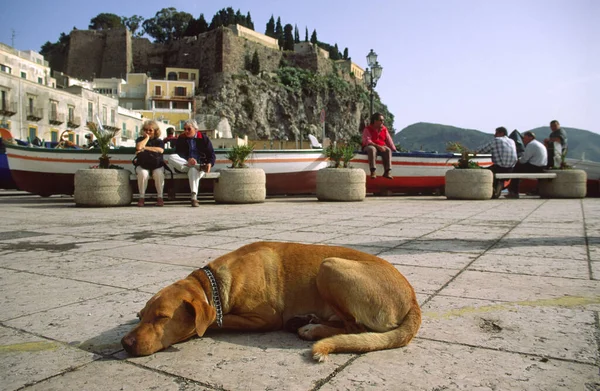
x=174 y=314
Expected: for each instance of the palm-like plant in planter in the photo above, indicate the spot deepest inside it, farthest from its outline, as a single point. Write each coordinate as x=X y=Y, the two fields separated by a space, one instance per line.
x=467 y=181
x=104 y=138
x=107 y=186
x=240 y=184
x=340 y=182
x=466 y=155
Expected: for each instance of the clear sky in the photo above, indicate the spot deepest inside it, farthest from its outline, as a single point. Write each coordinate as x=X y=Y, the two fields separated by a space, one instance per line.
x=477 y=64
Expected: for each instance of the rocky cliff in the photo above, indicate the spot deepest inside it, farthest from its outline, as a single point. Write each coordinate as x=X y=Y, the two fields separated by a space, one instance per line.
x=268 y=107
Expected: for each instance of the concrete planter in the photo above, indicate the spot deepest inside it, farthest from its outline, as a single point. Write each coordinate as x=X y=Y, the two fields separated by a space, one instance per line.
x=341 y=184
x=102 y=187
x=469 y=184
x=567 y=184
x=241 y=186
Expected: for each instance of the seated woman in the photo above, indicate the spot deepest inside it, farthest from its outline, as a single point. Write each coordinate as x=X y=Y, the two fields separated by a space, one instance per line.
x=150 y=141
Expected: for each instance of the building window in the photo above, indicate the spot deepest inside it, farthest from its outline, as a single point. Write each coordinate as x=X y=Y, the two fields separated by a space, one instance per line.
x=181 y=123
x=53 y=109
x=180 y=105
x=71 y=113
x=180 y=91
x=4 y=123
x=104 y=114
x=31 y=103
x=112 y=116
x=5 y=69
x=40 y=80
x=90 y=112
x=161 y=104
x=71 y=136
x=23 y=75
x=183 y=76
x=172 y=76
x=157 y=91
x=32 y=134
x=54 y=136
x=3 y=101
x=137 y=131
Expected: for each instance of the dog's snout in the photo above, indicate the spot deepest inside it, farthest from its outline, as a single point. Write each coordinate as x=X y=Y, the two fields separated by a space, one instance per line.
x=128 y=343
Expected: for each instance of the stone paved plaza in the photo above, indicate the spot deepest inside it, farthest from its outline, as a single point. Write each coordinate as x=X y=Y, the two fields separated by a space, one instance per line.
x=510 y=293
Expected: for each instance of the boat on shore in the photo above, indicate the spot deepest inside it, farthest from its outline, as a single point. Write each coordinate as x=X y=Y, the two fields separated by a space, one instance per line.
x=47 y=172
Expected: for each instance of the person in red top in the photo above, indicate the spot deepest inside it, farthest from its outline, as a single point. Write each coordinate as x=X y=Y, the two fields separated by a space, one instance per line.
x=376 y=140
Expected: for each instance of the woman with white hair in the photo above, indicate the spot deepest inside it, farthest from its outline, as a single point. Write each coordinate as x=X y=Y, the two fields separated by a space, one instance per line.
x=150 y=142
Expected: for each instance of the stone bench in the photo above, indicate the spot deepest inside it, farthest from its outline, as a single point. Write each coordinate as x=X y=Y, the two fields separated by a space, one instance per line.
x=558 y=184
x=532 y=175
x=170 y=186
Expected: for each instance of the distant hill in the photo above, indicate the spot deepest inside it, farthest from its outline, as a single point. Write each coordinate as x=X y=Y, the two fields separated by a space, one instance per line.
x=434 y=137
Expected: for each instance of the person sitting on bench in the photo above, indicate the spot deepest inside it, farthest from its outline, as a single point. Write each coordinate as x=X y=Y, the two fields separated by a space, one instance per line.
x=504 y=156
x=534 y=160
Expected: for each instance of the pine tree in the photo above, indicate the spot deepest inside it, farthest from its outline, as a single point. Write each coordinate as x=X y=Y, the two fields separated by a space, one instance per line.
x=345 y=53
x=288 y=37
x=270 y=31
x=313 y=37
x=249 y=22
x=306 y=35
x=279 y=32
x=296 y=34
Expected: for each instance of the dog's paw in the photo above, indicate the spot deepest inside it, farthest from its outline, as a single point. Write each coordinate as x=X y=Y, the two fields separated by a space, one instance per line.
x=319 y=357
x=308 y=332
x=295 y=323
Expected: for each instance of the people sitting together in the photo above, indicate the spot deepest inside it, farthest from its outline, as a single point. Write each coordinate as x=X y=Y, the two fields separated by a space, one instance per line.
x=195 y=155
x=535 y=158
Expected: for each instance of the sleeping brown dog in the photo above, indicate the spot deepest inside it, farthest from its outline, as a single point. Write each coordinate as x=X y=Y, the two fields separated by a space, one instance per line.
x=348 y=300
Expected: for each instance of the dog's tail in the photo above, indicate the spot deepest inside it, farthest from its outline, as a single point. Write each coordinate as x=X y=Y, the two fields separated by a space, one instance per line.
x=370 y=341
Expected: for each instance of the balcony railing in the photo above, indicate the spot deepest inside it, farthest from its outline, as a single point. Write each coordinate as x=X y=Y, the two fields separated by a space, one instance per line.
x=56 y=118
x=182 y=97
x=35 y=114
x=8 y=108
x=74 y=122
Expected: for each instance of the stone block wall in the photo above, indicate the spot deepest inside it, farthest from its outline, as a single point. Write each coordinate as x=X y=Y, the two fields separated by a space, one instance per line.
x=117 y=58
x=86 y=50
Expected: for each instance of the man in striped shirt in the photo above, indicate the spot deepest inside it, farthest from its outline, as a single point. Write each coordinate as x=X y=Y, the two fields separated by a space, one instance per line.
x=504 y=156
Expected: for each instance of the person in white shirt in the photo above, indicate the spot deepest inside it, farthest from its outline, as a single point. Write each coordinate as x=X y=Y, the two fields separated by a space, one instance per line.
x=534 y=159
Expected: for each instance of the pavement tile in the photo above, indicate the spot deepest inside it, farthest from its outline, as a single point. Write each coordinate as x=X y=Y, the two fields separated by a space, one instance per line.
x=250 y=361
x=432 y=365
x=450 y=245
x=25 y=293
x=536 y=327
x=27 y=359
x=516 y=287
x=539 y=266
x=434 y=259
x=161 y=253
x=104 y=375
x=95 y=325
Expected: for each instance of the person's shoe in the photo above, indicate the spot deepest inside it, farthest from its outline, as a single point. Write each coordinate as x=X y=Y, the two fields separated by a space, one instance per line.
x=511 y=195
x=195 y=203
x=373 y=175
x=140 y=202
x=160 y=202
x=388 y=175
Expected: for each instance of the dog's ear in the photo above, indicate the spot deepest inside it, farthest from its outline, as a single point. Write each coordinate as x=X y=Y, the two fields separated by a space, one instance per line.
x=205 y=315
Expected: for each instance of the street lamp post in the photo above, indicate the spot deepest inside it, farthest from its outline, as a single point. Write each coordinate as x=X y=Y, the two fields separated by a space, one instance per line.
x=371 y=76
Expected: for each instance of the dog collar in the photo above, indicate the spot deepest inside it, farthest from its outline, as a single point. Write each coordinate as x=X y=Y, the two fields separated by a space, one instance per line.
x=216 y=297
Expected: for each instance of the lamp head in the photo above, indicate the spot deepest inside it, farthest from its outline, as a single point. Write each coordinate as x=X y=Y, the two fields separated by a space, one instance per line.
x=371 y=58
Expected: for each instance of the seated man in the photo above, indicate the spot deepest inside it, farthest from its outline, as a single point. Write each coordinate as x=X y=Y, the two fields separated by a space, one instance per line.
x=376 y=140
x=534 y=159
x=194 y=154
x=504 y=156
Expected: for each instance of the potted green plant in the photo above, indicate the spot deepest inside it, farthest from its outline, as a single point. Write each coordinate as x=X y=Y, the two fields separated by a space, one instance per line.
x=467 y=181
x=339 y=181
x=106 y=184
x=240 y=184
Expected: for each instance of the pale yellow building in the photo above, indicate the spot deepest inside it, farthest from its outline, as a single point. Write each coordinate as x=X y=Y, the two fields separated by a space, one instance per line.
x=31 y=106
